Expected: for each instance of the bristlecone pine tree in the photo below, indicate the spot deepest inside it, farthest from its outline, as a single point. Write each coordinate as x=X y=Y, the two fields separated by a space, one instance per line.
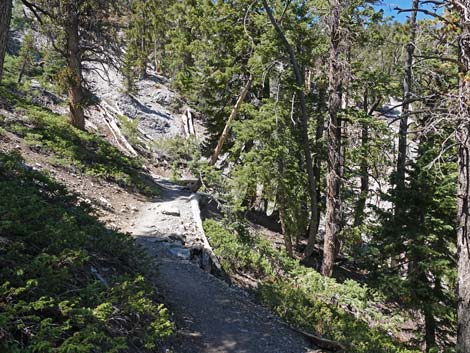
x=81 y=31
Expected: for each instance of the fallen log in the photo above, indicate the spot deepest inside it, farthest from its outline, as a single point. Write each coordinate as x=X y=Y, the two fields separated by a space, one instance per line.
x=321 y=342
x=117 y=131
x=211 y=263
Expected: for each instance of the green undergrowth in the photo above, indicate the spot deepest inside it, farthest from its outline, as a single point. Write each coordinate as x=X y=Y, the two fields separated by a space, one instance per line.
x=67 y=283
x=70 y=147
x=345 y=312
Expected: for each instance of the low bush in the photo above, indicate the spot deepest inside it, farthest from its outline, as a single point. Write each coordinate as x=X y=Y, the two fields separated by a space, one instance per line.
x=345 y=312
x=67 y=283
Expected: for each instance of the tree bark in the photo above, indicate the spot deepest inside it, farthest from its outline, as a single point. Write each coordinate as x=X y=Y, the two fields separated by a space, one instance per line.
x=463 y=187
x=76 y=98
x=300 y=80
x=5 y=18
x=463 y=193
x=333 y=179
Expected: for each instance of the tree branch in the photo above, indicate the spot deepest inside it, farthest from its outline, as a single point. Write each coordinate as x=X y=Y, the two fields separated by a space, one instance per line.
x=427 y=12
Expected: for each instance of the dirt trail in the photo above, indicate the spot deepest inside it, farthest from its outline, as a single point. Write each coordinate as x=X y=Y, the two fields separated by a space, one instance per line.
x=212 y=317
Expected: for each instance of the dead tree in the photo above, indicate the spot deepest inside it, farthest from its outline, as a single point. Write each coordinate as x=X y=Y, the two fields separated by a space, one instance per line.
x=463 y=187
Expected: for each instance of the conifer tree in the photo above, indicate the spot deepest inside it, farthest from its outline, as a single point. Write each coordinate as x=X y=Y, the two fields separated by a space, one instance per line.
x=79 y=31
x=26 y=56
x=145 y=35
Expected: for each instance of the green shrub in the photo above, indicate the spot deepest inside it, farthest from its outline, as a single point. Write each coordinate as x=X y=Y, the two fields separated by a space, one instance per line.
x=51 y=299
x=304 y=298
x=130 y=129
x=176 y=148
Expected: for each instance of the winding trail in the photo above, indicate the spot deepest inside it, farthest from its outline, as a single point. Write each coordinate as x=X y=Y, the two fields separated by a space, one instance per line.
x=212 y=316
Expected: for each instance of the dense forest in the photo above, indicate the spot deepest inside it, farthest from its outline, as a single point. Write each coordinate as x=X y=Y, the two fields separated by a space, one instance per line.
x=339 y=128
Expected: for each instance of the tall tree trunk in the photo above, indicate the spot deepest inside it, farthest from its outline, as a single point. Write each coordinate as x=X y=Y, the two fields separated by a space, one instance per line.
x=463 y=194
x=5 y=17
x=22 y=70
x=76 y=98
x=333 y=179
x=463 y=188
x=400 y=175
x=320 y=128
x=430 y=329
x=143 y=47
x=300 y=80
x=407 y=91
x=282 y=217
x=361 y=201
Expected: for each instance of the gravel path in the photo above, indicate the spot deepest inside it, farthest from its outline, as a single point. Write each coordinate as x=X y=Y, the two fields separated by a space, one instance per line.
x=212 y=317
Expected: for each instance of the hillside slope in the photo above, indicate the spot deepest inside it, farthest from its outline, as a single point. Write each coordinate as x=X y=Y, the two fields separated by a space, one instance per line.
x=119 y=189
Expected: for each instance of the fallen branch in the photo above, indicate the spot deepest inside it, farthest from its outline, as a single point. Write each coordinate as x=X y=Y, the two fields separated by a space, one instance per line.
x=116 y=130
x=230 y=119
x=111 y=129
x=320 y=341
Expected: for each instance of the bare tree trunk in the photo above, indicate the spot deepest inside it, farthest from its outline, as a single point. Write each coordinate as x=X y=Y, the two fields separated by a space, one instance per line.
x=463 y=274
x=407 y=91
x=333 y=180
x=76 y=99
x=143 y=47
x=22 y=70
x=282 y=218
x=463 y=188
x=5 y=17
x=303 y=122
x=361 y=201
x=430 y=330
x=233 y=115
x=320 y=128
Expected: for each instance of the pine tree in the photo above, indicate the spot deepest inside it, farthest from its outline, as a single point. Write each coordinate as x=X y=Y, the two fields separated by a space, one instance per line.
x=26 y=56
x=78 y=30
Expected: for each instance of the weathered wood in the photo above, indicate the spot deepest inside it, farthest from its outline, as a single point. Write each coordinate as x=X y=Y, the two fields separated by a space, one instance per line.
x=184 y=118
x=213 y=265
x=191 y=129
x=463 y=187
x=116 y=131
